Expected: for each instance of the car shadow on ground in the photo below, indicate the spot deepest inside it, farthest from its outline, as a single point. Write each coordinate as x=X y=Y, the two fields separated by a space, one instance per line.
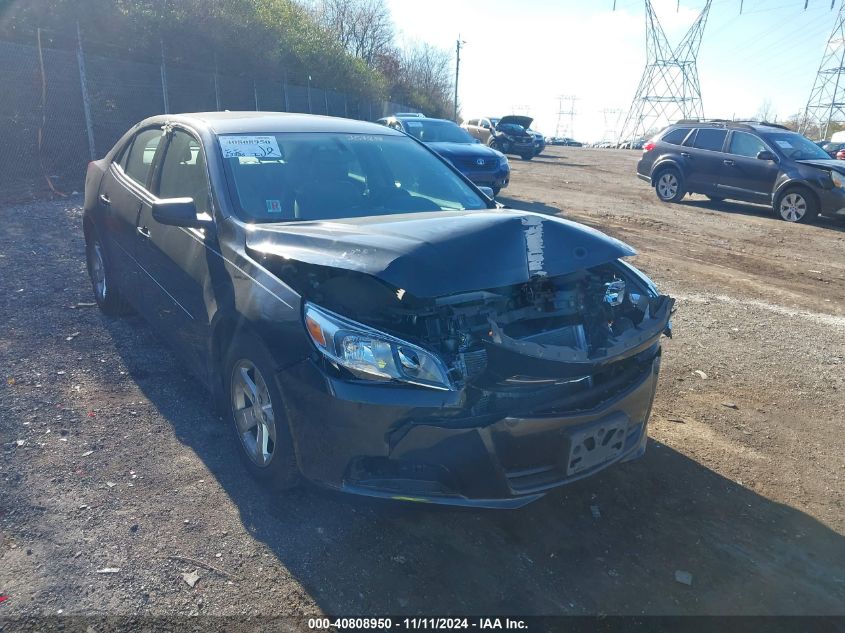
x=741 y=208
x=524 y=205
x=558 y=161
x=608 y=544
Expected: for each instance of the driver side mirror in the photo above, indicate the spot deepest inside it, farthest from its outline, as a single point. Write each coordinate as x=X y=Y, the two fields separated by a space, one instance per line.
x=178 y=212
x=487 y=191
x=766 y=155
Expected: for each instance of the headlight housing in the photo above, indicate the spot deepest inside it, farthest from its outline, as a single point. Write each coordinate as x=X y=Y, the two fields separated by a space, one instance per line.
x=373 y=355
x=838 y=179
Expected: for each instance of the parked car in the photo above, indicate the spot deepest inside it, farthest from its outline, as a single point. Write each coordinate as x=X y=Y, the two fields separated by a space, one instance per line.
x=483 y=165
x=539 y=141
x=508 y=134
x=365 y=317
x=481 y=128
x=409 y=114
x=831 y=148
x=759 y=163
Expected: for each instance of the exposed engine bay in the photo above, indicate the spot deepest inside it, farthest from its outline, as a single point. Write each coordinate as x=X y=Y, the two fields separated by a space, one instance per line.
x=550 y=327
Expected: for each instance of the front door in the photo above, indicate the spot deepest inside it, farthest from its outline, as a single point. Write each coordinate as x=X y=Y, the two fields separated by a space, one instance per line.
x=177 y=258
x=744 y=176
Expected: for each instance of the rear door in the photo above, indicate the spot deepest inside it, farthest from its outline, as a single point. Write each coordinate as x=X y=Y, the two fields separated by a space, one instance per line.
x=744 y=176
x=123 y=190
x=703 y=151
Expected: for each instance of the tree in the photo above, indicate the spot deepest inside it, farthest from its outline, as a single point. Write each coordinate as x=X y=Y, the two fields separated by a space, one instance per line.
x=364 y=28
x=766 y=112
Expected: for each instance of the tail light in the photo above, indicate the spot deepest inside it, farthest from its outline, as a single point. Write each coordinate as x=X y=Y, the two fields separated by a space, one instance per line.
x=649 y=146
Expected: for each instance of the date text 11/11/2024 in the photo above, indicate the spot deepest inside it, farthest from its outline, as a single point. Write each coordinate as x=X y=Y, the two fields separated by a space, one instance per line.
x=418 y=624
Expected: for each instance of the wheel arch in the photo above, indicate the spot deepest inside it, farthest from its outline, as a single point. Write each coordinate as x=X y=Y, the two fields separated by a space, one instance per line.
x=662 y=166
x=794 y=184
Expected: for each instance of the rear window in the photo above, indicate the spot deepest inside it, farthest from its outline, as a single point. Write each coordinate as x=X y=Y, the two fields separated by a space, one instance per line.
x=140 y=156
x=676 y=136
x=710 y=138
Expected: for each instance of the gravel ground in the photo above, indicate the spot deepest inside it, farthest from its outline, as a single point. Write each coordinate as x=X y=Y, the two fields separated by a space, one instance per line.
x=117 y=479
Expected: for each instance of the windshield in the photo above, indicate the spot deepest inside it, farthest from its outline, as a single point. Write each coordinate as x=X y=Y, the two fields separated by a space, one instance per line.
x=797 y=147
x=323 y=176
x=437 y=132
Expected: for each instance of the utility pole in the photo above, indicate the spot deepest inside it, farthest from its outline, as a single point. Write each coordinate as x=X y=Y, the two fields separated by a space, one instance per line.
x=458 y=46
x=826 y=104
x=669 y=88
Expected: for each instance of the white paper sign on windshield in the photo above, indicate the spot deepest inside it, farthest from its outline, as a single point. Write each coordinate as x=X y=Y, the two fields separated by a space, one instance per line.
x=241 y=145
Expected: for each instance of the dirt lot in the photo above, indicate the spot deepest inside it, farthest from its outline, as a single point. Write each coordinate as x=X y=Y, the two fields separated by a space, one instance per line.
x=112 y=458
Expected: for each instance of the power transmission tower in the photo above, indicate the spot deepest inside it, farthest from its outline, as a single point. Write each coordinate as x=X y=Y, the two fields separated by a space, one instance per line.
x=669 y=88
x=827 y=99
x=611 y=124
x=569 y=111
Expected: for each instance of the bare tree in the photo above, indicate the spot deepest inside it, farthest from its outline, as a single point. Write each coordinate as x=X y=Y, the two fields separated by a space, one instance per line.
x=766 y=112
x=363 y=27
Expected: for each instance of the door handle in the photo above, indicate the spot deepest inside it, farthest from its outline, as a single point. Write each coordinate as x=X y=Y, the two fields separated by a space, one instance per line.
x=104 y=199
x=144 y=231
x=727 y=162
x=686 y=155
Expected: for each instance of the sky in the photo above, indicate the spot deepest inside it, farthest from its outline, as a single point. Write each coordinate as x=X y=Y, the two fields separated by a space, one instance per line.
x=521 y=55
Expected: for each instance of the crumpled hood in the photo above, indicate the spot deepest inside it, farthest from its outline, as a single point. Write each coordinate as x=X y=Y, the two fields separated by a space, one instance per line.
x=832 y=164
x=524 y=121
x=464 y=150
x=443 y=252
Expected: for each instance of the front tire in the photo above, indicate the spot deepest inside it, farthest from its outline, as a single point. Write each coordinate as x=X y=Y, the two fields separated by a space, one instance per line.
x=796 y=205
x=103 y=278
x=669 y=185
x=496 y=190
x=256 y=414
x=526 y=156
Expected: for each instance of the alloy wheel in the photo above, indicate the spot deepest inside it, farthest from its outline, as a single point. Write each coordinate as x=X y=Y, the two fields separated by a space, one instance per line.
x=793 y=207
x=253 y=412
x=667 y=186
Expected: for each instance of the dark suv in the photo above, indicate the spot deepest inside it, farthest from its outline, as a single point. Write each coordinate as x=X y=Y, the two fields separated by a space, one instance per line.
x=760 y=163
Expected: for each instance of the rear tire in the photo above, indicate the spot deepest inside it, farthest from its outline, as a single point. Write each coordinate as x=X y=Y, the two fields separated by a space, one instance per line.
x=669 y=185
x=796 y=205
x=256 y=414
x=104 y=280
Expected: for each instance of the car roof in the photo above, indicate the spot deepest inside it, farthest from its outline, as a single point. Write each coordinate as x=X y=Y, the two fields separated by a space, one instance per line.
x=757 y=126
x=270 y=122
x=419 y=118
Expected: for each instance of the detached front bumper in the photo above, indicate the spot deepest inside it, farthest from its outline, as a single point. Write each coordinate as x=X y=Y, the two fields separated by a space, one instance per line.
x=832 y=202
x=420 y=445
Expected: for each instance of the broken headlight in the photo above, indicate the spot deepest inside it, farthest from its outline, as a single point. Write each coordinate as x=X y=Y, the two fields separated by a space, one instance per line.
x=371 y=354
x=838 y=179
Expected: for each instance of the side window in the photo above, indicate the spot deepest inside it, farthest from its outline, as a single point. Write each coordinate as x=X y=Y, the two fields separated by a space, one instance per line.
x=473 y=122
x=676 y=136
x=183 y=173
x=140 y=156
x=744 y=144
x=710 y=138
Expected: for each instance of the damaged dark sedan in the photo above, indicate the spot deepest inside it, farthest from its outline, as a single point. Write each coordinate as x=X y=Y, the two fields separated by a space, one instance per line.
x=365 y=317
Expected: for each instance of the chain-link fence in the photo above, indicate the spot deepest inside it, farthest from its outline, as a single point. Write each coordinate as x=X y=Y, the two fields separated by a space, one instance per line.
x=61 y=108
